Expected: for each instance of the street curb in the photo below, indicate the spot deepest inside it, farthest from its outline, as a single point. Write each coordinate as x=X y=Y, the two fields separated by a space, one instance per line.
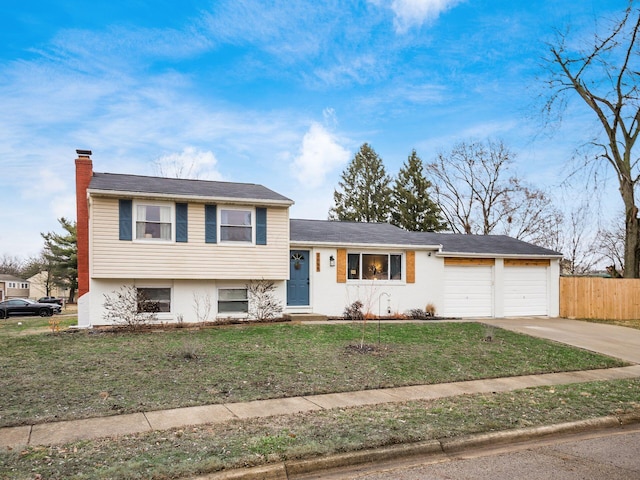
x=455 y=445
x=281 y=471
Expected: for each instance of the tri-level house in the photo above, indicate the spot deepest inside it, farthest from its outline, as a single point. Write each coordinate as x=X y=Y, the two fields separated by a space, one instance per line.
x=178 y=240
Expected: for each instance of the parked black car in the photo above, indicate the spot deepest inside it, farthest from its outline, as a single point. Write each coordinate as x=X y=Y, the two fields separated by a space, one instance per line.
x=50 y=300
x=24 y=306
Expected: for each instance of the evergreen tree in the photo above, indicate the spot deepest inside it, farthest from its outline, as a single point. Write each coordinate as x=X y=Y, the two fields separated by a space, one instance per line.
x=364 y=193
x=61 y=251
x=413 y=210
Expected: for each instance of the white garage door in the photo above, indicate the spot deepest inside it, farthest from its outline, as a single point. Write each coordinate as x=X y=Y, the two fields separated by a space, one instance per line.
x=525 y=291
x=468 y=291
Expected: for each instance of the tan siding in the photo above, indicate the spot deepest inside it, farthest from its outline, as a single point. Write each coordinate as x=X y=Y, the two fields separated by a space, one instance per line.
x=469 y=261
x=524 y=262
x=113 y=258
x=411 y=266
x=341 y=270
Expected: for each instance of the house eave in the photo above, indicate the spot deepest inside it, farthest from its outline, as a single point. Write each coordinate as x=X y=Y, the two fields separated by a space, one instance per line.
x=191 y=198
x=495 y=255
x=376 y=246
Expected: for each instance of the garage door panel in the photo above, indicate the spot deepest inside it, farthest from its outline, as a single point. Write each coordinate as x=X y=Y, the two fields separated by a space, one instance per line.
x=468 y=291
x=525 y=291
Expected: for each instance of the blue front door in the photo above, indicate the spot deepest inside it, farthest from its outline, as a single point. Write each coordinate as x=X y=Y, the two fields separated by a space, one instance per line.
x=298 y=284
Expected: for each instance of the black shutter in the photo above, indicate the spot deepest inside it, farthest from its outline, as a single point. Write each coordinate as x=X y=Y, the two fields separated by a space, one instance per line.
x=210 y=224
x=261 y=226
x=126 y=220
x=182 y=226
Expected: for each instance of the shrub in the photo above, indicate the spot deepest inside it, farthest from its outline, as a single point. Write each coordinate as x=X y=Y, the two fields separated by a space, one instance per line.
x=263 y=304
x=354 y=311
x=129 y=307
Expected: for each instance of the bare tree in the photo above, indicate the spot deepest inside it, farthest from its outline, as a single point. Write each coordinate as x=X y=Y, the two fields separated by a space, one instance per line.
x=605 y=74
x=478 y=194
x=610 y=245
x=580 y=253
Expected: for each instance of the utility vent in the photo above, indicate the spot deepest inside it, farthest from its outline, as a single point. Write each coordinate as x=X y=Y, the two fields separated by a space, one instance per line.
x=83 y=153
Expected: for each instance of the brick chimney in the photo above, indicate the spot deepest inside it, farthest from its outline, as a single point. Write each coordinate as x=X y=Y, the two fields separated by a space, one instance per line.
x=84 y=172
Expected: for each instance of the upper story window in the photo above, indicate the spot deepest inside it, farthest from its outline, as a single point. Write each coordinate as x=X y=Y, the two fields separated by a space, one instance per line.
x=153 y=222
x=366 y=266
x=24 y=285
x=236 y=226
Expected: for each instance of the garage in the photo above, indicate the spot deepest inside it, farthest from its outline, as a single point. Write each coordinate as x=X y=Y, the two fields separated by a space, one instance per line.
x=526 y=290
x=468 y=287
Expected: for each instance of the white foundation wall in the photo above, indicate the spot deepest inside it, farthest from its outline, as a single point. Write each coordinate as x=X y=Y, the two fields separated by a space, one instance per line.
x=329 y=297
x=191 y=300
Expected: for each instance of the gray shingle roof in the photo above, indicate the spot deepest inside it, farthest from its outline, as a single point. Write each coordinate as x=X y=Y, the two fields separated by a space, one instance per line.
x=333 y=232
x=184 y=187
x=327 y=231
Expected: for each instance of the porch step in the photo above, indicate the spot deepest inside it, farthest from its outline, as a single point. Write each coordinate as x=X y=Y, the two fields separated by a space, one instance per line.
x=305 y=317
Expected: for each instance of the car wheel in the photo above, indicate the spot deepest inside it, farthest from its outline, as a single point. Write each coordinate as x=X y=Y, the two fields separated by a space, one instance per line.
x=3 y=314
x=45 y=312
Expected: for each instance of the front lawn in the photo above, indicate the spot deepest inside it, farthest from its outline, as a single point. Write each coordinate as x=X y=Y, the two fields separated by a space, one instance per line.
x=50 y=377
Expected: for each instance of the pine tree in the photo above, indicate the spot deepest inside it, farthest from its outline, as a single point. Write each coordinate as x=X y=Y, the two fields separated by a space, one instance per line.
x=61 y=251
x=364 y=193
x=413 y=210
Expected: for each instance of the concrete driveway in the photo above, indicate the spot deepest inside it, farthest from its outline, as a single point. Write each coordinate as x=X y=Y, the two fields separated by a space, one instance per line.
x=610 y=340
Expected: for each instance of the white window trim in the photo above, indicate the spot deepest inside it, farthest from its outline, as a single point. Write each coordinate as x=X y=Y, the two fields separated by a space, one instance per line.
x=239 y=209
x=161 y=315
x=220 y=314
x=388 y=281
x=134 y=219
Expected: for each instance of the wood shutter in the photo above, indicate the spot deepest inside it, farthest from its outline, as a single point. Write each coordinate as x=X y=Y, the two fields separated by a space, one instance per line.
x=411 y=266
x=261 y=226
x=125 y=210
x=210 y=224
x=182 y=226
x=341 y=270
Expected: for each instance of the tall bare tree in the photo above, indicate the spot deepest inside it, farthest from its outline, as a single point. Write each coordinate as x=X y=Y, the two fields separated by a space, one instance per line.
x=478 y=194
x=605 y=75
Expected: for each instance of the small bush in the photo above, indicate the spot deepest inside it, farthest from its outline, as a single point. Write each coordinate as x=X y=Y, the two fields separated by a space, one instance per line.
x=416 y=314
x=430 y=310
x=354 y=311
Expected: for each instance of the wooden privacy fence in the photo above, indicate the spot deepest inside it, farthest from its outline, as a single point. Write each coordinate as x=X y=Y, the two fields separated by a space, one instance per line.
x=596 y=297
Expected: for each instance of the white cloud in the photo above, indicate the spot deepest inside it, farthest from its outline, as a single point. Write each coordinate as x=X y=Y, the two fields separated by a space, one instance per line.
x=320 y=154
x=411 y=13
x=190 y=163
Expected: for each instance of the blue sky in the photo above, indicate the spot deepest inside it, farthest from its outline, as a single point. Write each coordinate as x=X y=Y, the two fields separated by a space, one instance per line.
x=281 y=93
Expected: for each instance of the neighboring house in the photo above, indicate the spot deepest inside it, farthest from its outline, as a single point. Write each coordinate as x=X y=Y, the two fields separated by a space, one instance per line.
x=181 y=241
x=38 y=287
x=13 y=287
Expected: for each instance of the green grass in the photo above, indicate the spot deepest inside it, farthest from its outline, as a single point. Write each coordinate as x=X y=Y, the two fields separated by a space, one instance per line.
x=85 y=374
x=194 y=451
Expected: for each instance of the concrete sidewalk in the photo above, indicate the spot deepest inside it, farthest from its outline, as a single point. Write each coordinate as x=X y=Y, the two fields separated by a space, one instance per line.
x=610 y=340
x=92 y=428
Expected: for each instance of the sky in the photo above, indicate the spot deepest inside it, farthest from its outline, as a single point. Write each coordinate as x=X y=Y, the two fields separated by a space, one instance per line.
x=279 y=92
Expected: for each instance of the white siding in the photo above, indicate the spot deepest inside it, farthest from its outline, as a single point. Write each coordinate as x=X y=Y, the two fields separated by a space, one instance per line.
x=112 y=258
x=525 y=291
x=468 y=291
x=329 y=297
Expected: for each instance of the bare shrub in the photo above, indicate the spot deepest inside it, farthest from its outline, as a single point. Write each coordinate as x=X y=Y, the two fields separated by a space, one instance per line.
x=263 y=304
x=202 y=306
x=129 y=307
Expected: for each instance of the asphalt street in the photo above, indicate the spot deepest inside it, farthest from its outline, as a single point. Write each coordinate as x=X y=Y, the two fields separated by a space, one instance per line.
x=608 y=454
